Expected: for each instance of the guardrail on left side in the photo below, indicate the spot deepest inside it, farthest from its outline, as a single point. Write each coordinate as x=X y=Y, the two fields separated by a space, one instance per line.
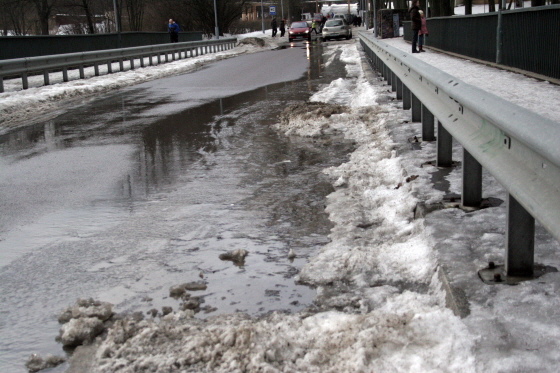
x=25 y=66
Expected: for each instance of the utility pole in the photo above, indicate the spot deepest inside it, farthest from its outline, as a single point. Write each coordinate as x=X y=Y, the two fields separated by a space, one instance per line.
x=117 y=28
x=216 y=31
x=262 y=15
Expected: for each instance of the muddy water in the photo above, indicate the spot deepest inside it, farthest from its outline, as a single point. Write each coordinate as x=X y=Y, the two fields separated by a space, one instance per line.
x=117 y=201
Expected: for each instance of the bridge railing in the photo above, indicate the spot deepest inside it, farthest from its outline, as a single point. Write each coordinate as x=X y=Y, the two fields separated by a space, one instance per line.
x=23 y=67
x=518 y=147
x=12 y=47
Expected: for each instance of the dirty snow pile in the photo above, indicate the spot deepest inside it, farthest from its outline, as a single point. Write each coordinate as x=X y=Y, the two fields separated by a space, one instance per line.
x=21 y=106
x=380 y=306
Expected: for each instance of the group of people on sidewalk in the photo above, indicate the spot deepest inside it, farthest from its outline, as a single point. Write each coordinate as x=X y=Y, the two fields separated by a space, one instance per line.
x=419 y=29
x=274 y=26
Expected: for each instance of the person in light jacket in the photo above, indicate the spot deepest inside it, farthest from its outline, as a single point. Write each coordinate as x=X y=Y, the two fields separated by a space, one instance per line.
x=416 y=24
x=422 y=33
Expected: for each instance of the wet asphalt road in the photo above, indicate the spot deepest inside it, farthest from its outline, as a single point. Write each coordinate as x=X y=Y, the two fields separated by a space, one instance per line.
x=135 y=192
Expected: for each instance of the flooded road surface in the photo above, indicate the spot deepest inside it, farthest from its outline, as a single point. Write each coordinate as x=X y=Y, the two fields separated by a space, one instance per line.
x=133 y=193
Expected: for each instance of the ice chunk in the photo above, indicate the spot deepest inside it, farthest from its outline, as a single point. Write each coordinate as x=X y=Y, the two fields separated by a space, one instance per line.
x=92 y=308
x=80 y=331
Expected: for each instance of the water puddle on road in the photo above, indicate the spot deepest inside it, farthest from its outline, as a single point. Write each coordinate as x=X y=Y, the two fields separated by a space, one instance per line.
x=191 y=186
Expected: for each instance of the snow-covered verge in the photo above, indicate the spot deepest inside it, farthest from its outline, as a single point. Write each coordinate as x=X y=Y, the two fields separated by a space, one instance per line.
x=20 y=107
x=541 y=97
x=380 y=306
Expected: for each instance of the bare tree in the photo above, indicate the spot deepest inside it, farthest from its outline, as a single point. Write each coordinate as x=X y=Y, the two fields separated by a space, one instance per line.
x=44 y=9
x=441 y=8
x=202 y=12
x=81 y=8
x=135 y=10
x=16 y=16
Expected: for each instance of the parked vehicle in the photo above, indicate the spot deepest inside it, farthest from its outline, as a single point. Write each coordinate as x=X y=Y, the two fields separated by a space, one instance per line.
x=299 y=30
x=336 y=28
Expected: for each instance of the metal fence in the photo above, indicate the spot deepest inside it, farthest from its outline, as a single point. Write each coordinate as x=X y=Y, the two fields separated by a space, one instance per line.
x=530 y=38
x=45 y=45
x=62 y=62
x=518 y=147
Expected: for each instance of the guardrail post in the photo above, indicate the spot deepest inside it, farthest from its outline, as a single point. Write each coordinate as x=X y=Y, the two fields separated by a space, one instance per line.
x=472 y=181
x=389 y=76
x=24 y=81
x=416 y=108
x=1 y=84
x=121 y=64
x=406 y=98
x=132 y=64
x=427 y=124
x=82 y=74
x=95 y=69
x=520 y=240
x=444 y=147
x=142 y=64
x=385 y=68
x=109 y=67
x=159 y=58
x=393 y=82
x=399 y=89
x=166 y=57
x=46 y=77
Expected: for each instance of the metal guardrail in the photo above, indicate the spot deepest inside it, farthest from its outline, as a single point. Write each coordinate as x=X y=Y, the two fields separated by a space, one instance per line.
x=15 y=46
x=517 y=146
x=25 y=66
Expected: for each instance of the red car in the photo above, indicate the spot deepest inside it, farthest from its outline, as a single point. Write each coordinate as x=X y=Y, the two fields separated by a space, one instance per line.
x=299 y=30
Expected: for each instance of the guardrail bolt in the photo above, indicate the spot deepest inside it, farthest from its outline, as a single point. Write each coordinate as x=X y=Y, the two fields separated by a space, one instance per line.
x=491 y=265
x=497 y=277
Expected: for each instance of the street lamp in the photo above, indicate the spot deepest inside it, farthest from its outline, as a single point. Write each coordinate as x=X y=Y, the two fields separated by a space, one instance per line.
x=216 y=31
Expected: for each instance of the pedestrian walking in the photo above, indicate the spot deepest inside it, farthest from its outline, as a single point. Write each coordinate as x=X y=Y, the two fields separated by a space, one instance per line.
x=274 y=27
x=422 y=33
x=282 y=27
x=173 y=30
x=314 y=27
x=416 y=24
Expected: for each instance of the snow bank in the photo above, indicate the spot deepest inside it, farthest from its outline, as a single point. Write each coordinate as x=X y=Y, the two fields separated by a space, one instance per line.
x=391 y=339
x=18 y=107
x=367 y=316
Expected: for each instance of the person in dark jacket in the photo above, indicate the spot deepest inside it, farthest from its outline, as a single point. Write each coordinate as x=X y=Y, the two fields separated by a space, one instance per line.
x=173 y=30
x=274 y=27
x=416 y=24
x=282 y=27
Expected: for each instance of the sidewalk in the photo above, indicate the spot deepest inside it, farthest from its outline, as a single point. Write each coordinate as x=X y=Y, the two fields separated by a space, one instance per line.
x=517 y=326
x=539 y=96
